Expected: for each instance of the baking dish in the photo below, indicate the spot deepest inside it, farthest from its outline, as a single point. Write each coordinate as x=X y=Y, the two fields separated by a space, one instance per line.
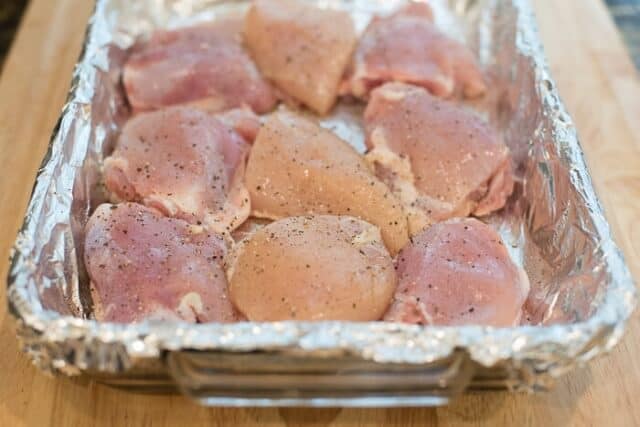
x=583 y=292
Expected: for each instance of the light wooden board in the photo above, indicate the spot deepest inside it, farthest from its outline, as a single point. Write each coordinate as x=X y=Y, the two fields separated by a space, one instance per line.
x=602 y=92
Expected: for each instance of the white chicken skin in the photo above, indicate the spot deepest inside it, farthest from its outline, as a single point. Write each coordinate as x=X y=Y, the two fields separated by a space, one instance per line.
x=143 y=265
x=319 y=267
x=441 y=159
x=185 y=163
x=458 y=273
x=303 y=49
x=297 y=168
x=408 y=47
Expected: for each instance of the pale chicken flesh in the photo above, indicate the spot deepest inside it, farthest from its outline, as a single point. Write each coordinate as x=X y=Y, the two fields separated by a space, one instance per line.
x=408 y=47
x=303 y=49
x=204 y=65
x=441 y=159
x=458 y=273
x=296 y=168
x=312 y=268
x=146 y=266
x=185 y=163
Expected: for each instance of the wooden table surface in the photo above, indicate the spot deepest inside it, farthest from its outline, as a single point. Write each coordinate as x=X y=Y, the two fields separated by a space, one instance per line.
x=602 y=92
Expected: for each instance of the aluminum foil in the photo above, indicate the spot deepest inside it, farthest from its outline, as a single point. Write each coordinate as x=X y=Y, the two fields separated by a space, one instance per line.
x=582 y=292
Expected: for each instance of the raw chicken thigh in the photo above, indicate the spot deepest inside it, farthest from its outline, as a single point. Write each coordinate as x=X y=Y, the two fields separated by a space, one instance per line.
x=313 y=268
x=143 y=265
x=408 y=47
x=296 y=168
x=303 y=49
x=441 y=159
x=185 y=163
x=204 y=65
x=458 y=273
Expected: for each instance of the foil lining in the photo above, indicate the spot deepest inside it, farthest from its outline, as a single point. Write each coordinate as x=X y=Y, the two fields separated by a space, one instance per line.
x=582 y=292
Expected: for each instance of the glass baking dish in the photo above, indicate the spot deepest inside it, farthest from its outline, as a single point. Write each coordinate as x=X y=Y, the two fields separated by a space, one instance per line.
x=582 y=291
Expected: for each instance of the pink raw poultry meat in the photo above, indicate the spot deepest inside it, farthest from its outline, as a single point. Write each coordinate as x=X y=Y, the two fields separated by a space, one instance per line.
x=296 y=168
x=143 y=265
x=458 y=273
x=408 y=47
x=204 y=65
x=441 y=159
x=302 y=48
x=185 y=163
x=316 y=267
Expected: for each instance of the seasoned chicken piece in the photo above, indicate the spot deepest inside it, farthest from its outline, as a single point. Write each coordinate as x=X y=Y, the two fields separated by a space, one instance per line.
x=312 y=268
x=143 y=265
x=300 y=47
x=441 y=159
x=458 y=273
x=296 y=168
x=204 y=65
x=185 y=163
x=408 y=47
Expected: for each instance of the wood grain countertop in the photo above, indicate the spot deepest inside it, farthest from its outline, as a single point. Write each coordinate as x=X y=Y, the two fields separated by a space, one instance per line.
x=602 y=91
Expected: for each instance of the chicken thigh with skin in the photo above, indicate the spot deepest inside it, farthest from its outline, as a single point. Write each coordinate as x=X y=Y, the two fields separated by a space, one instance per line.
x=303 y=49
x=297 y=168
x=185 y=163
x=408 y=47
x=441 y=159
x=312 y=268
x=458 y=273
x=204 y=65
x=143 y=265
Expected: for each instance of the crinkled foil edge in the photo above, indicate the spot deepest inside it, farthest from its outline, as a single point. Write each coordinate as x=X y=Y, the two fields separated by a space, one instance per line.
x=72 y=345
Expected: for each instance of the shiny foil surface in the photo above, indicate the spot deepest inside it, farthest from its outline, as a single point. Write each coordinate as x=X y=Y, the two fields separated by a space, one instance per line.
x=581 y=291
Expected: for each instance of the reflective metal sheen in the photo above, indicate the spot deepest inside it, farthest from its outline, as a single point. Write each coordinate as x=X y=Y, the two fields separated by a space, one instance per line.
x=582 y=292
